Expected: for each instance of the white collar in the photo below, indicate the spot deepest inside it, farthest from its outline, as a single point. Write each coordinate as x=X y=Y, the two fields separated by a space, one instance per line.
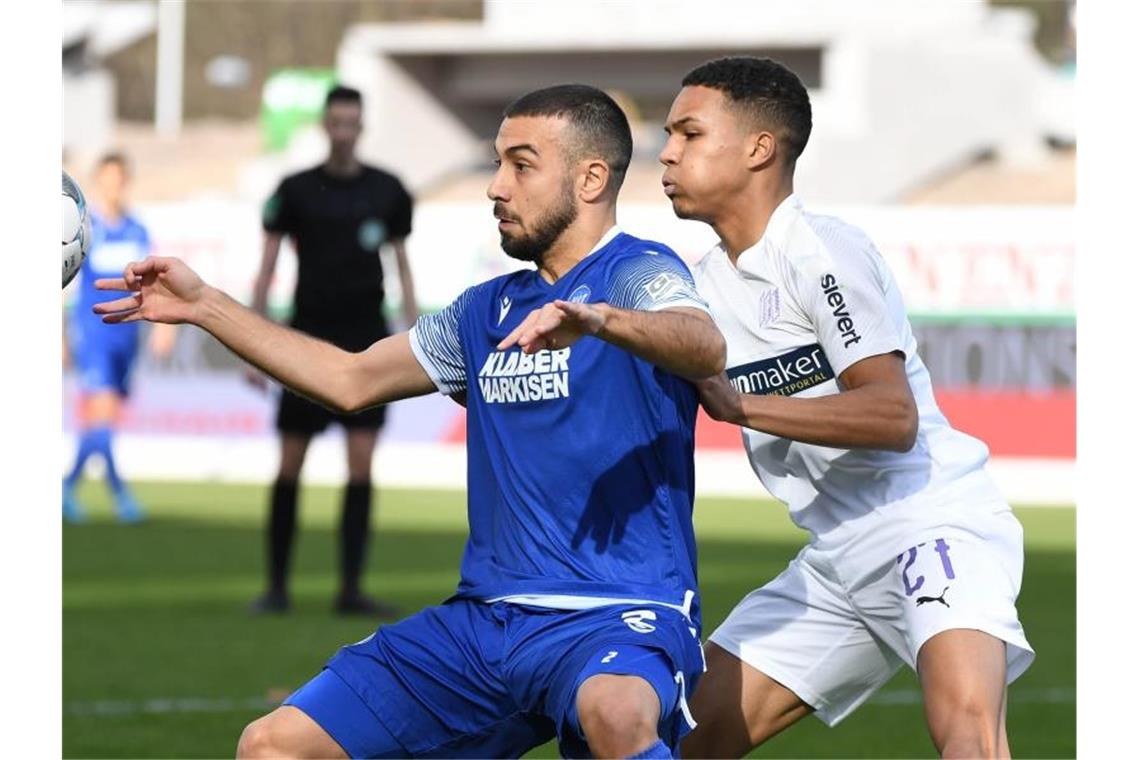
x=781 y=220
x=611 y=233
x=777 y=229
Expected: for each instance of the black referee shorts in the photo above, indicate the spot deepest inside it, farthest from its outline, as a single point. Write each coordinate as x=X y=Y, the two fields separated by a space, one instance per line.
x=296 y=414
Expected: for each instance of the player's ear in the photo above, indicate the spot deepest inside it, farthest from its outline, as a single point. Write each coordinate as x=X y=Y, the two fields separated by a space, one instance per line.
x=594 y=180
x=762 y=148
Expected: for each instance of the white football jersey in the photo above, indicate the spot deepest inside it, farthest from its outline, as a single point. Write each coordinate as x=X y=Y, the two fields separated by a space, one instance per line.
x=803 y=304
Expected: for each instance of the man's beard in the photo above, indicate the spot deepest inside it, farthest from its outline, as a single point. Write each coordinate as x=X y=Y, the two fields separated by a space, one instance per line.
x=533 y=247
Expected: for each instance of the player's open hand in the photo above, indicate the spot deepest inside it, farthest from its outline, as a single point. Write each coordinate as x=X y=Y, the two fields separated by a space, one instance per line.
x=162 y=289
x=721 y=399
x=558 y=324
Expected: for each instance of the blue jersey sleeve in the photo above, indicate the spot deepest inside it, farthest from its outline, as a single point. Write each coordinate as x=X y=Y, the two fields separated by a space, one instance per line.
x=652 y=281
x=438 y=345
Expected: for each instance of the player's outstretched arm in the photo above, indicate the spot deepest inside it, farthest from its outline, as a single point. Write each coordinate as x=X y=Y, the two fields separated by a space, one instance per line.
x=682 y=340
x=165 y=290
x=875 y=410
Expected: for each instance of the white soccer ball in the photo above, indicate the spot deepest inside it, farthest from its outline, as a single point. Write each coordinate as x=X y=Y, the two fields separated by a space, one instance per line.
x=76 y=229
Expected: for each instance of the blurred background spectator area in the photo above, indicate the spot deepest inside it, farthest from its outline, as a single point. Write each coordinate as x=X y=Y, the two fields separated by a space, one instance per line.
x=884 y=74
x=945 y=129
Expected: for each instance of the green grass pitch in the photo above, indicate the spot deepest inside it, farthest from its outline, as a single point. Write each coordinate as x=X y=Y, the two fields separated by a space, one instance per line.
x=160 y=658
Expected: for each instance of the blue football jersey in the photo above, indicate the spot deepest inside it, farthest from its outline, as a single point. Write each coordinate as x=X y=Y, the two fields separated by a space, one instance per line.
x=112 y=248
x=580 y=459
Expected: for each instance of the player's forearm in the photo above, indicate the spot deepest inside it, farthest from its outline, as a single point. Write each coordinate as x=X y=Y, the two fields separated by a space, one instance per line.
x=408 y=292
x=684 y=344
x=270 y=249
x=407 y=286
x=864 y=418
x=309 y=366
x=260 y=301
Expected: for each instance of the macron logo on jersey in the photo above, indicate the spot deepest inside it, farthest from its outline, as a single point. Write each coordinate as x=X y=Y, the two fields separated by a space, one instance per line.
x=504 y=308
x=508 y=377
x=839 y=309
x=783 y=375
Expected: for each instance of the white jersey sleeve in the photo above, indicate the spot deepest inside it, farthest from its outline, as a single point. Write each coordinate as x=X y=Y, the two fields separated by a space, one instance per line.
x=438 y=345
x=652 y=281
x=843 y=293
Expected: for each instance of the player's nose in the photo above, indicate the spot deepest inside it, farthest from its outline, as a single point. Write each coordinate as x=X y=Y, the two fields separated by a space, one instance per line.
x=497 y=190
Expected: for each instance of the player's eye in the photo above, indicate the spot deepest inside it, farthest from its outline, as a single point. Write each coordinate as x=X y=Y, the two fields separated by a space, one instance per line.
x=521 y=167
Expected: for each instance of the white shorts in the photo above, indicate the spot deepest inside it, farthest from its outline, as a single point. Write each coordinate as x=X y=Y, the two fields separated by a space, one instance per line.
x=834 y=641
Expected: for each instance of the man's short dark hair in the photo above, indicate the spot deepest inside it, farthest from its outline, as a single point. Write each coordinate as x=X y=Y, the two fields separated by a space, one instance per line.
x=342 y=94
x=763 y=89
x=599 y=126
x=116 y=158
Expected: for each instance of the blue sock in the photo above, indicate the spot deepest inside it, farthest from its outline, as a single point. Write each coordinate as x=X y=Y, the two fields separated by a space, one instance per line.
x=655 y=750
x=87 y=447
x=102 y=443
x=72 y=511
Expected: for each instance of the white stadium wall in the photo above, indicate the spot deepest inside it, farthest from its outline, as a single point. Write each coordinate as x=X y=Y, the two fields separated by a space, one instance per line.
x=896 y=86
x=990 y=290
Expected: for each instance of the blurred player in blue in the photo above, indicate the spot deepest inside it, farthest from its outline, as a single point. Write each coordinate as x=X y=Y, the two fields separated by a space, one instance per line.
x=103 y=356
x=576 y=614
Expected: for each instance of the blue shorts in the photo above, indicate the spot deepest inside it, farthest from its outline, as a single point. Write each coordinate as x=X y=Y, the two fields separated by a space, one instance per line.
x=477 y=679
x=105 y=367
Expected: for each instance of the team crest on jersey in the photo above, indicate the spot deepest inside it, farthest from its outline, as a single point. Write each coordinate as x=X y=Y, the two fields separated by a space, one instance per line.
x=784 y=375
x=371 y=234
x=581 y=294
x=769 y=306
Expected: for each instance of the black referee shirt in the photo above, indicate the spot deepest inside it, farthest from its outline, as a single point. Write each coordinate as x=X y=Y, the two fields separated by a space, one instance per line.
x=337 y=225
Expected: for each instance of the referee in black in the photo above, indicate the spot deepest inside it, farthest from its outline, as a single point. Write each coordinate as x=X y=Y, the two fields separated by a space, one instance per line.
x=338 y=215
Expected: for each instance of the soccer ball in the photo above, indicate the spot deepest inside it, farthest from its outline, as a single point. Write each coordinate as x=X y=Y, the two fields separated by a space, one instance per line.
x=76 y=229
